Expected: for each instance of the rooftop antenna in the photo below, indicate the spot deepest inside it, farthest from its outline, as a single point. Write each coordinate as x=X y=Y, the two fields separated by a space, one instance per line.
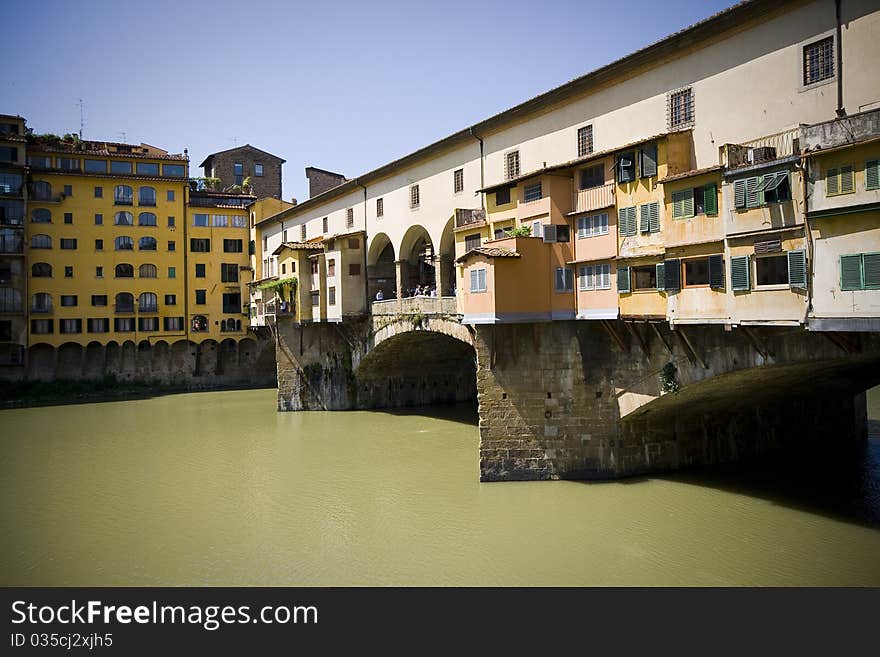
x=122 y=132
x=235 y=141
x=81 y=118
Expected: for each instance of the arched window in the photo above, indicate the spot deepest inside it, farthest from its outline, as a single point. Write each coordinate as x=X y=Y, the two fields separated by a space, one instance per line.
x=124 y=243
x=41 y=302
x=124 y=270
x=41 y=216
x=146 y=219
x=123 y=219
x=10 y=300
x=147 y=244
x=124 y=302
x=41 y=242
x=123 y=195
x=41 y=270
x=146 y=196
x=147 y=271
x=41 y=190
x=148 y=302
x=199 y=324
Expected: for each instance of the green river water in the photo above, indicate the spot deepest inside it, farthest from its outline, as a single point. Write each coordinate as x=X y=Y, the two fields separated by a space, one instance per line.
x=218 y=489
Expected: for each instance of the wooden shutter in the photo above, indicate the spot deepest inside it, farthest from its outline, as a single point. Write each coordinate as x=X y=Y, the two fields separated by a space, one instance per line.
x=672 y=274
x=797 y=269
x=648 y=160
x=654 y=216
x=683 y=203
x=847 y=180
x=739 y=273
x=549 y=232
x=710 y=200
x=871 y=269
x=660 y=269
x=739 y=193
x=623 y=280
x=716 y=272
x=753 y=196
x=872 y=174
x=645 y=218
x=832 y=182
x=631 y=220
x=851 y=272
x=475 y=280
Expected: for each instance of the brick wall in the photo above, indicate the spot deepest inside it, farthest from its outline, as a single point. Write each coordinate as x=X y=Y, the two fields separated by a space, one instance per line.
x=320 y=181
x=269 y=184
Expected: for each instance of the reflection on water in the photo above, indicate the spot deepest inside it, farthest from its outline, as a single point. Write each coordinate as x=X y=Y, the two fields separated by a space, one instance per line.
x=219 y=489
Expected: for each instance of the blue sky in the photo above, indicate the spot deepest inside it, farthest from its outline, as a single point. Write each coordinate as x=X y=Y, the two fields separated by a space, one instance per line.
x=340 y=85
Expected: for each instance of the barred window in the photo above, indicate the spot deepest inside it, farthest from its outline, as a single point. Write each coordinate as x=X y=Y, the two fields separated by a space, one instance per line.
x=511 y=165
x=414 y=196
x=380 y=207
x=349 y=218
x=302 y=233
x=585 y=140
x=680 y=108
x=458 y=180
x=325 y=227
x=819 y=60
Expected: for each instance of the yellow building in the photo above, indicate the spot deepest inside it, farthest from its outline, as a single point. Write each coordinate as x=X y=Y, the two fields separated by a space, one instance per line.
x=104 y=245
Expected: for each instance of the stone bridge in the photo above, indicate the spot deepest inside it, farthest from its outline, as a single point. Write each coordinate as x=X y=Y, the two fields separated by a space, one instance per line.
x=597 y=399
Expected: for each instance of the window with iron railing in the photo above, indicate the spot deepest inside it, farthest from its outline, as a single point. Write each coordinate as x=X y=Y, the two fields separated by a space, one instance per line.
x=819 y=60
x=511 y=165
x=680 y=108
x=585 y=140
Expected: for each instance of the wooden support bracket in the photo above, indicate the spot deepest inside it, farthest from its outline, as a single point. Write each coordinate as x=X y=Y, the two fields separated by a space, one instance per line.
x=618 y=339
x=668 y=346
x=692 y=355
x=756 y=342
x=633 y=331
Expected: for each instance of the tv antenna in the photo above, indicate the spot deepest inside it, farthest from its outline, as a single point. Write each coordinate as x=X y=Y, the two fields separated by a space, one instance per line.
x=81 y=117
x=122 y=134
x=235 y=141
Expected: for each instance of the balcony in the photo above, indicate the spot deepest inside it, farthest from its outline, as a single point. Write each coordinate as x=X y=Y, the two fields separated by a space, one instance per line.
x=773 y=147
x=593 y=198
x=469 y=218
x=145 y=308
x=124 y=307
x=11 y=244
x=43 y=308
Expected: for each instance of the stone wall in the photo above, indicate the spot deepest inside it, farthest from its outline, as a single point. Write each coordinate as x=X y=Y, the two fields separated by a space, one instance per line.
x=269 y=184
x=320 y=181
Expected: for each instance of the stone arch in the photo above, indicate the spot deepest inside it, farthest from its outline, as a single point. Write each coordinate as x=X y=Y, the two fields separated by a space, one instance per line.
x=41 y=362
x=182 y=359
x=161 y=358
x=210 y=362
x=112 y=358
x=93 y=367
x=128 y=360
x=70 y=361
x=416 y=257
x=144 y=360
x=381 y=270
x=446 y=260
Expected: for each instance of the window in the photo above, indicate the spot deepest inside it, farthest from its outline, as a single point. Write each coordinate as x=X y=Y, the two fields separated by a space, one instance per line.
x=41 y=302
x=68 y=217
x=41 y=216
x=100 y=325
x=148 y=271
x=626 y=167
x=146 y=196
x=38 y=161
x=124 y=302
x=471 y=242
x=41 y=326
x=585 y=140
x=68 y=272
x=201 y=296
x=200 y=220
x=148 y=324
x=502 y=196
x=314 y=266
x=316 y=298
x=354 y=269
x=564 y=279
x=200 y=245
x=532 y=193
x=478 y=280
x=760 y=190
x=860 y=271
x=511 y=165
x=68 y=190
x=680 y=108
x=593 y=176
x=380 y=207
x=331 y=267
x=283 y=268
x=688 y=203
x=644 y=278
x=124 y=270
x=99 y=272
x=170 y=299
x=354 y=243
x=123 y=324
x=232 y=246
x=458 y=181
x=123 y=219
x=99 y=299
x=200 y=270
x=238 y=172
x=872 y=174
x=171 y=222
x=331 y=296
x=648 y=160
x=594 y=277
x=232 y=302
x=120 y=166
x=649 y=217
x=302 y=236
x=41 y=270
x=626 y=221
x=414 y=198
x=173 y=323
x=771 y=270
x=147 y=244
x=96 y=166
x=99 y=245
x=324 y=226
x=147 y=169
x=229 y=273
x=696 y=272
x=68 y=163
x=173 y=170
x=258 y=170
x=593 y=226
x=99 y=192
x=9 y=154
x=146 y=219
x=220 y=220
x=349 y=218
x=70 y=326
x=148 y=302
x=68 y=243
x=123 y=195
x=172 y=272
x=840 y=181
x=169 y=195
x=41 y=242
x=41 y=191
x=172 y=245
x=819 y=60
x=68 y=300
x=99 y=219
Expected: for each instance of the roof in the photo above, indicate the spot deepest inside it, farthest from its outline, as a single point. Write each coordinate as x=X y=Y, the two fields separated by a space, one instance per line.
x=690 y=174
x=489 y=252
x=332 y=173
x=101 y=148
x=299 y=246
x=241 y=148
x=731 y=18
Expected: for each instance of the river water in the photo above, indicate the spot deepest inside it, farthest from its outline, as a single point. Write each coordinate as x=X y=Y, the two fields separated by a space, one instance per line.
x=219 y=489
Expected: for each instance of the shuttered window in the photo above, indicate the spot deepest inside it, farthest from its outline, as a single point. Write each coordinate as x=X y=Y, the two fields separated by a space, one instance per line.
x=623 y=285
x=687 y=203
x=591 y=226
x=660 y=269
x=710 y=200
x=594 y=277
x=671 y=275
x=716 y=272
x=797 y=269
x=683 y=204
x=860 y=271
x=626 y=221
x=759 y=190
x=478 y=280
x=840 y=181
x=872 y=174
x=564 y=279
x=649 y=217
x=648 y=161
x=739 y=273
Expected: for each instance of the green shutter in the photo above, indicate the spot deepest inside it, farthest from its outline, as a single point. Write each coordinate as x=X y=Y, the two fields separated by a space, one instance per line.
x=739 y=193
x=871 y=269
x=678 y=200
x=716 y=272
x=654 y=216
x=660 y=268
x=754 y=198
x=645 y=218
x=847 y=180
x=623 y=280
x=851 y=272
x=710 y=200
x=797 y=269
x=872 y=174
x=832 y=182
x=648 y=161
x=739 y=273
x=672 y=275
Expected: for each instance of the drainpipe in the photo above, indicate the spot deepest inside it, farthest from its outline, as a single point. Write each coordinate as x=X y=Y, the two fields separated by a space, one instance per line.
x=366 y=276
x=482 y=168
x=804 y=166
x=839 y=47
x=185 y=247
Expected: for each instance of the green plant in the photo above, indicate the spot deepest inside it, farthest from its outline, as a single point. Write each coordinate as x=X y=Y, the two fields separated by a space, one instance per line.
x=521 y=231
x=669 y=378
x=280 y=285
x=246 y=184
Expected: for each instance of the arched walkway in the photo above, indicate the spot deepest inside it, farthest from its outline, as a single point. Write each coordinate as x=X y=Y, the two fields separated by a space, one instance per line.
x=381 y=272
